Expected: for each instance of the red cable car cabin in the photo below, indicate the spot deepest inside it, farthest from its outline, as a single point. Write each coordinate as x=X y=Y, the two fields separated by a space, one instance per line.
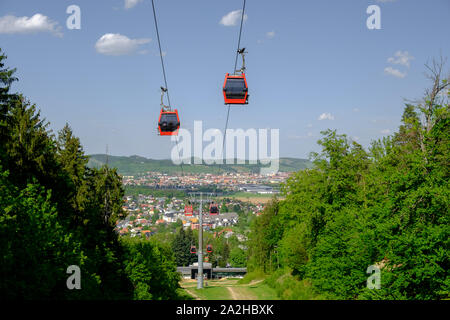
x=213 y=209
x=209 y=248
x=188 y=210
x=169 y=123
x=235 y=89
x=193 y=249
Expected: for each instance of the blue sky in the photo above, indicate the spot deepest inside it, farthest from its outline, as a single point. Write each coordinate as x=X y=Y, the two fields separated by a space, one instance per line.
x=311 y=65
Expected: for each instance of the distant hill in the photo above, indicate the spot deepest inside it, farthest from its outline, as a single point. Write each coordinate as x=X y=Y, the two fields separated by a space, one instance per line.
x=135 y=165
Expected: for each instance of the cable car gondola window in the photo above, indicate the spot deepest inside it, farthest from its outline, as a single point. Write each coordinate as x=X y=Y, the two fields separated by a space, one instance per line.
x=169 y=118
x=235 y=88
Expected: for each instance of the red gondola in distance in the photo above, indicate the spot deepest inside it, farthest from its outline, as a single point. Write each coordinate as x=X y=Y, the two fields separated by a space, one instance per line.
x=209 y=248
x=188 y=210
x=193 y=249
x=213 y=209
x=168 y=123
x=235 y=89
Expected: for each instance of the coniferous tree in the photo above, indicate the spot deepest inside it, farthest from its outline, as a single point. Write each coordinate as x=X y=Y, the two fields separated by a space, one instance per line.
x=6 y=98
x=179 y=248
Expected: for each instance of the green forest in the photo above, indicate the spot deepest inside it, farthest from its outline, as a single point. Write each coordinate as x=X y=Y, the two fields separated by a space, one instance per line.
x=57 y=212
x=387 y=206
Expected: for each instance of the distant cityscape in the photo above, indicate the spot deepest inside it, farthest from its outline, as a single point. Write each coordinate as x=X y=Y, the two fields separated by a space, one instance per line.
x=145 y=213
x=246 y=182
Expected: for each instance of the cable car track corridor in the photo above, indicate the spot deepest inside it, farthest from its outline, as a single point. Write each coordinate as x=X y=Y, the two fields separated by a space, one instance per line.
x=231 y=289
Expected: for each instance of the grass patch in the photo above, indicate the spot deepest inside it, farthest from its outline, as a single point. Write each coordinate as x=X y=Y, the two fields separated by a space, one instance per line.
x=231 y=289
x=183 y=295
x=289 y=287
x=261 y=291
x=249 y=277
x=213 y=293
x=250 y=195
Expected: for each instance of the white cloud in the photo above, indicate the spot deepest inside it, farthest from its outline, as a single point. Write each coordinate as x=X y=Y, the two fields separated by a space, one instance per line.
x=384 y=1
x=394 y=72
x=114 y=44
x=231 y=19
x=131 y=3
x=401 y=58
x=355 y=109
x=326 y=116
x=309 y=125
x=26 y=25
x=270 y=34
x=385 y=131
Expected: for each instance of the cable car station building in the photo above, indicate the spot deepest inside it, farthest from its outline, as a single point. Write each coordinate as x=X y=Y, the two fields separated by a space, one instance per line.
x=211 y=273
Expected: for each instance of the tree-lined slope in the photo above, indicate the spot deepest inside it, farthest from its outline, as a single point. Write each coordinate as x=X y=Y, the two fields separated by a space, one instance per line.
x=386 y=207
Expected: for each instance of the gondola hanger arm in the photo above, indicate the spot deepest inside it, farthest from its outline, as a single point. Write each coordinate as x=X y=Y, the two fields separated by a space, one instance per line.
x=242 y=52
x=163 y=106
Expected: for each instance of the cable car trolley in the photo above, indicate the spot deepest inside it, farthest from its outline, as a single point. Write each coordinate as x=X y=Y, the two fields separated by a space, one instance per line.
x=169 y=121
x=188 y=210
x=213 y=209
x=235 y=88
